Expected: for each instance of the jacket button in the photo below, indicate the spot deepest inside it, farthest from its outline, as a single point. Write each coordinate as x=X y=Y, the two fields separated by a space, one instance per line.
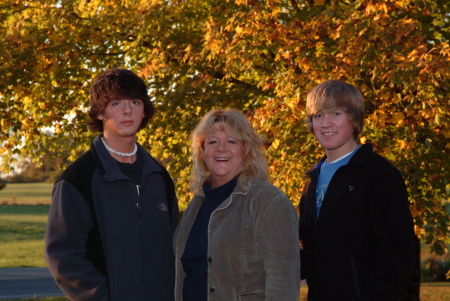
x=209 y=259
x=212 y=289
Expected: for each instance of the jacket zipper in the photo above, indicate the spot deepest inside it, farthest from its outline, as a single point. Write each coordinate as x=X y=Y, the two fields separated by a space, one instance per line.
x=138 y=205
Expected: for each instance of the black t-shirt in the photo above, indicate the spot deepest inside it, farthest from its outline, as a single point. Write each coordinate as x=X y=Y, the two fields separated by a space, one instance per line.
x=133 y=170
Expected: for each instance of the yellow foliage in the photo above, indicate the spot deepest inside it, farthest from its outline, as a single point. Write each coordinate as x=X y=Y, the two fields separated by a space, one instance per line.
x=259 y=56
x=27 y=102
x=276 y=143
x=417 y=230
x=363 y=88
x=446 y=133
x=373 y=7
x=438 y=119
x=398 y=118
x=402 y=143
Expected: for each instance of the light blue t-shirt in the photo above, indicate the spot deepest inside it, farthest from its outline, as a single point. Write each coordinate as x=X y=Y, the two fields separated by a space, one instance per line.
x=327 y=171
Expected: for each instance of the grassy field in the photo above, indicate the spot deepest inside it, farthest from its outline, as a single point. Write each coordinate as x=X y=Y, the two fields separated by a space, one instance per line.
x=22 y=230
x=26 y=194
x=23 y=215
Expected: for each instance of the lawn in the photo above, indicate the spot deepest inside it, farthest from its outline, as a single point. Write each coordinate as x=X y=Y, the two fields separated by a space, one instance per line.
x=436 y=291
x=22 y=232
x=26 y=194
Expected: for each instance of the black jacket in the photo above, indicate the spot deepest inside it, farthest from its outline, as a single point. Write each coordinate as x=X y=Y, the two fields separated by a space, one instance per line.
x=362 y=245
x=108 y=240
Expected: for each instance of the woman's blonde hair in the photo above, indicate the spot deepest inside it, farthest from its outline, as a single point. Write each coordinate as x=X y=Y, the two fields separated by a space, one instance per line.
x=336 y=94
x=236 y=125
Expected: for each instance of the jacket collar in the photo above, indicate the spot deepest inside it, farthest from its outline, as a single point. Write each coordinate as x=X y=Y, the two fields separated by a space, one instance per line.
x=237 y=191
x=110 y=168
x=359 y=157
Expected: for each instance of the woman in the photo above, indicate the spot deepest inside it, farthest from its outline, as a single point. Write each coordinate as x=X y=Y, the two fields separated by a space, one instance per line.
x=238 y=239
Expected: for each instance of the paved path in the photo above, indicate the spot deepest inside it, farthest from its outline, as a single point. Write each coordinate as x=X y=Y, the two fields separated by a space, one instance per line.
x=21 y=283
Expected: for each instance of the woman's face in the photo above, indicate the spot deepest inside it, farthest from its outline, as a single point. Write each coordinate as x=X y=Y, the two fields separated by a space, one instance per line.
x=224 y=157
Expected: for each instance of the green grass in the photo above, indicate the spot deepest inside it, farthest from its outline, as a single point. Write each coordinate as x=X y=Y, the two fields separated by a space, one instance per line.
x=436 y=291
x=22 y=233
x=26 y=193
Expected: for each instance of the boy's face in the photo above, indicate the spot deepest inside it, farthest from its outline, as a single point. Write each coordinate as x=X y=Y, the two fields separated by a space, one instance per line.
x=334 y=131
x=122 y=117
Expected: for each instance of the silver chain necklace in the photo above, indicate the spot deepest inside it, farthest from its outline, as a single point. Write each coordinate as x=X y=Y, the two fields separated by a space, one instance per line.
x=120 y=153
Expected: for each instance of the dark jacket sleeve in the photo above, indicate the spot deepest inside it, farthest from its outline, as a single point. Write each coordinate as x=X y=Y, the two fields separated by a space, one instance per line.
x=303 y=255
x=175 y=214
x=68 y=227
x=393 y=226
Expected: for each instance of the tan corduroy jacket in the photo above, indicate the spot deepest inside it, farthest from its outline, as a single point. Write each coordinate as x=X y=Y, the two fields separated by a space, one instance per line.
x=253 y=247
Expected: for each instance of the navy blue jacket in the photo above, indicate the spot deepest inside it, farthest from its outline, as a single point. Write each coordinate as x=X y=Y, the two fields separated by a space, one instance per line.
x=362 y=245
x=108 y=240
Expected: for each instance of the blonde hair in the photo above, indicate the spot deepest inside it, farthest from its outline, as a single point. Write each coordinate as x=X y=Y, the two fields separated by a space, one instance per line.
x=336 y=94
x=236 y=125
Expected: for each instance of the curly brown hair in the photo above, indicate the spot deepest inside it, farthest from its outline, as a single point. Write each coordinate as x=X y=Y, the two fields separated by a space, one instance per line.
x=116 y=84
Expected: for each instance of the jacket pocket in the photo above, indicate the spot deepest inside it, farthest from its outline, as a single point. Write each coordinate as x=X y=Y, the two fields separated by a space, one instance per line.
x=252 y=297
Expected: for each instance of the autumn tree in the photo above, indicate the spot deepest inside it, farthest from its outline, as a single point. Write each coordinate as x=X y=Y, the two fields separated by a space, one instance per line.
x=259 y=56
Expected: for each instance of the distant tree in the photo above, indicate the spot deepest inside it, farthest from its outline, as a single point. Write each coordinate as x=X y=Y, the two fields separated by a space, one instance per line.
x=45 y=170
x=259 y=56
